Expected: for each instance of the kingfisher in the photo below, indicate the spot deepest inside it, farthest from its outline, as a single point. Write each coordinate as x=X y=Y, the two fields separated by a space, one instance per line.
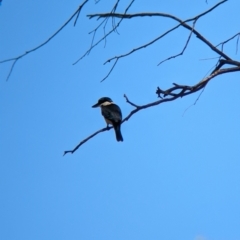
x=112 y=115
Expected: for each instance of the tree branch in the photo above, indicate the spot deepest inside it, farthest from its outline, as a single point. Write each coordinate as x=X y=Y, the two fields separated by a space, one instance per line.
x=104 y=37
x=181 y=23
x=184 y=48
x=231 y=38
x=15 y=59
x=86 y=139
x=97 y=28
x=171 y=94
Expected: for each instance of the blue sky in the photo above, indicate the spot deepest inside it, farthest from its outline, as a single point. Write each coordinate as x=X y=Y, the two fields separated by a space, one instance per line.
x=175 y=176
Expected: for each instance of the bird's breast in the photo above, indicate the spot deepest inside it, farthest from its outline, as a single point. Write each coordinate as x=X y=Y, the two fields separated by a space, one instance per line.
x=108 y=121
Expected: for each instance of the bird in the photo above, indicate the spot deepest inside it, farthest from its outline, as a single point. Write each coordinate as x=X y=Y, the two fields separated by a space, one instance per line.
x=112 y=115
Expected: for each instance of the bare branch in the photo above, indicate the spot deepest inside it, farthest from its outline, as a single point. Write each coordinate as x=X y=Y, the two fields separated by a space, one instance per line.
x=110 y=70
x=231 y=38
x=104 y=37
x=142 y=46
x=15 y=59
x=96 y=29
x=237 y=44
x=181 y=23
x=86 y=139
x=11 y=69
x=114 y=26
x=222 y=62
x=195 y=101
x=184 y=48
x=131 y=103
x=171 y=94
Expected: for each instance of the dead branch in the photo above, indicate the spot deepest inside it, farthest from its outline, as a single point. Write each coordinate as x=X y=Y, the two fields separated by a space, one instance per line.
x=180 y=23
x=177 y=91
x=105 y=35
x=136 y=49
x=222 y=62
x=184 y=48
x=229 y=39
x=171 y=94
x=15 y=59
x=86 y=139
x=105 y=21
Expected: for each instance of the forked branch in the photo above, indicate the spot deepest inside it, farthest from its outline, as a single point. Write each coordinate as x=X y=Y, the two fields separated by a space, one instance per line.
x=171 y=94
x=183 y=23
x=15 y=59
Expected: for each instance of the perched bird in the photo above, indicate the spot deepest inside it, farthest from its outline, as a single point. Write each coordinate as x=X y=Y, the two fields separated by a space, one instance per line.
x=112 y=115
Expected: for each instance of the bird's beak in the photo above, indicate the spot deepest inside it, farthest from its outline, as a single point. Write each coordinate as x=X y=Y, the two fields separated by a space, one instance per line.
x=95 y=105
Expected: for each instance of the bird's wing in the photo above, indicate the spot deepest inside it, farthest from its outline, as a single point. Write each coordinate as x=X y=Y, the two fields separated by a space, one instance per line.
x=112 y=112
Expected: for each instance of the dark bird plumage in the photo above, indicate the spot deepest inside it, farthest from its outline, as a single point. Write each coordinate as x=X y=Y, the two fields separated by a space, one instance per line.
x=112 y=115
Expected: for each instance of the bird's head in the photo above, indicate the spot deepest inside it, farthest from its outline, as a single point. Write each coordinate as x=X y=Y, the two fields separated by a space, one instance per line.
x=103 y=101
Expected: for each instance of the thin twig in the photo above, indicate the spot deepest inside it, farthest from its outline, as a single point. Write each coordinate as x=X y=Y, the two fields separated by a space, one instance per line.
x=229 y=39
x=110 y=70
x=184 y=48
x=142 y=46
x=86 y=139
x=136 y=49
x=131 y=103
x=104 y=37
x=15 y=59
x=96 y=29
x=194 y=102
x=237 y=43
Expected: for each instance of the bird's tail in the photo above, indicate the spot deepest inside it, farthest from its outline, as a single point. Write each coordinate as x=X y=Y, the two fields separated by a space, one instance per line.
x=118 y=133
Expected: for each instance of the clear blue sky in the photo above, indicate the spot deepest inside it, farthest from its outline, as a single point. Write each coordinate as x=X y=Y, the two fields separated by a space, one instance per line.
x=174 y=177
